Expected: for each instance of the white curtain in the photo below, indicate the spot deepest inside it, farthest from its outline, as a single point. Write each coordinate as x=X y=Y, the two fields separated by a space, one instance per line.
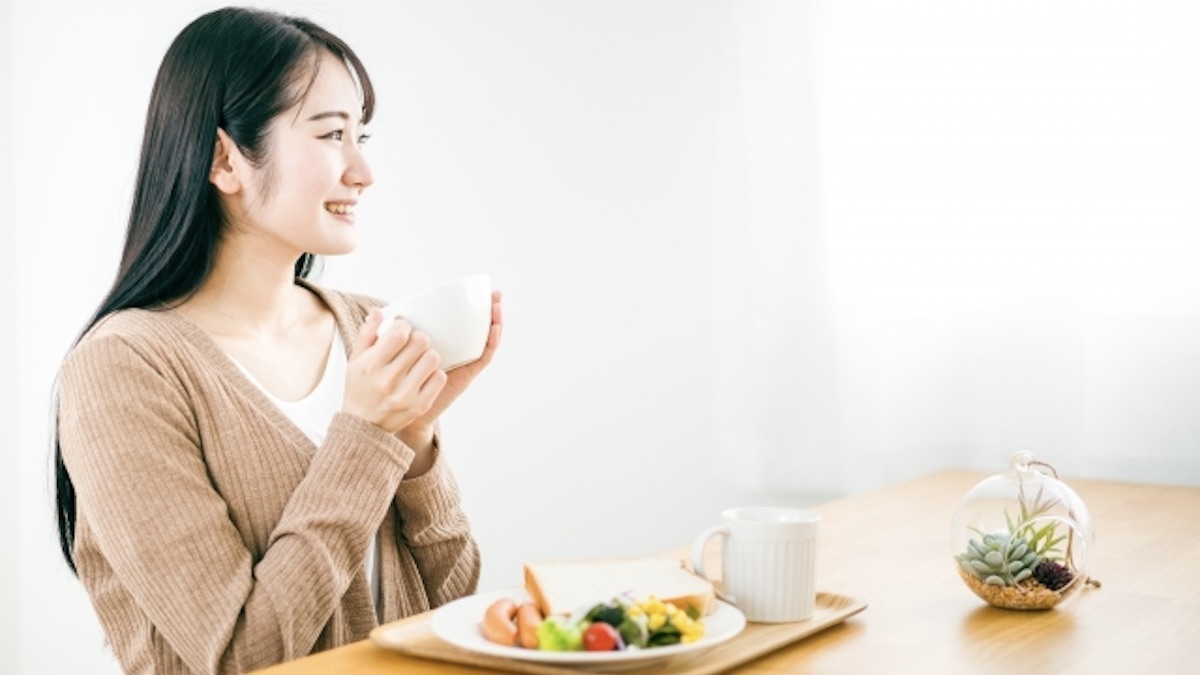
x=948 y=231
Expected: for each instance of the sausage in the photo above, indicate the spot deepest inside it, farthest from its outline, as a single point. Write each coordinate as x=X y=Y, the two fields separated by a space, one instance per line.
x=499 y=622
x=528 y=618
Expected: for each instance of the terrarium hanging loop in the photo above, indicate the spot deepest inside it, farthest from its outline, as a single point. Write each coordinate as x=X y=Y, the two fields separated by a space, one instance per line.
x=1053 y=472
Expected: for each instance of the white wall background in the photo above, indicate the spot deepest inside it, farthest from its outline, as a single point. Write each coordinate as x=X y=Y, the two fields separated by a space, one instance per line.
x=770 y=249
x=10 y=476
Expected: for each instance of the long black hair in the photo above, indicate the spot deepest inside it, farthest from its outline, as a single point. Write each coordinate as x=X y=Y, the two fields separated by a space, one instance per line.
x=235 y=69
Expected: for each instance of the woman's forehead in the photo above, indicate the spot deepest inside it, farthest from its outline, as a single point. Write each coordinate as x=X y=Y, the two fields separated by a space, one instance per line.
x=333 y=89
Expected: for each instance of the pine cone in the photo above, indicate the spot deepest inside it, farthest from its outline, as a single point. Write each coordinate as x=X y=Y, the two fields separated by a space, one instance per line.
x=1052 y=575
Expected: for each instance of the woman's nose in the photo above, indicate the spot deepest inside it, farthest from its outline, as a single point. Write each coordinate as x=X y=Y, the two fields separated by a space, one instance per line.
x=358 y=171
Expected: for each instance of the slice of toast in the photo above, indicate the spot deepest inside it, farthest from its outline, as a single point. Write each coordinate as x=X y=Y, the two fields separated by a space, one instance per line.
x=565 y=587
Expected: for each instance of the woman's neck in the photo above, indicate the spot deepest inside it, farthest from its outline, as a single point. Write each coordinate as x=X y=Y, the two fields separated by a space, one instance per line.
x=246 y=296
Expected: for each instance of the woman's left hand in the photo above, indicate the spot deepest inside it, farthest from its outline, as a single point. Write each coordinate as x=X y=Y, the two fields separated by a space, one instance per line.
x=457 y=381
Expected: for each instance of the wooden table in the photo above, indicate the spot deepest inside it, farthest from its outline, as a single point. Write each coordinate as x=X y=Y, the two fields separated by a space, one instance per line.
x=892 y=548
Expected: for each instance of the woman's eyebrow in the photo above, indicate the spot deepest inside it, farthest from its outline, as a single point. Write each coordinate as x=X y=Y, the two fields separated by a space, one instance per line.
x=330 y=113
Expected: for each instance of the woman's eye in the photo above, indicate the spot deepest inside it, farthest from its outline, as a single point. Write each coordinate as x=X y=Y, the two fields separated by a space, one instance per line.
x=363 y=139
x=334 y=135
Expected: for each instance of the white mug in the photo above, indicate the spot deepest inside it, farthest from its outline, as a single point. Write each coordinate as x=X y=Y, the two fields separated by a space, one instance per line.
x=768 y=562
x=457 y=317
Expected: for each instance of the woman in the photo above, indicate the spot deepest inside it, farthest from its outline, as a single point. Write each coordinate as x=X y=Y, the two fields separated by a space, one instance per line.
x=247 y=471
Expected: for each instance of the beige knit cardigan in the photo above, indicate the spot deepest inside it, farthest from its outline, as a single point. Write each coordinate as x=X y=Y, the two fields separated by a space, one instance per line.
x=213 y=536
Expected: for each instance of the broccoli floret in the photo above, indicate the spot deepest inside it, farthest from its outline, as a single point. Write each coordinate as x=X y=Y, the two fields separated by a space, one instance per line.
x=611 y=613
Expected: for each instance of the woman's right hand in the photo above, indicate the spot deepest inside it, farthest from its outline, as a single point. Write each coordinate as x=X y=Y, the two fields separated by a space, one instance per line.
x=391 y=378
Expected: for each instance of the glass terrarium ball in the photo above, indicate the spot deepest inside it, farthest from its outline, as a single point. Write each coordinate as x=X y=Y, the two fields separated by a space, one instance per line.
x=1021 y=539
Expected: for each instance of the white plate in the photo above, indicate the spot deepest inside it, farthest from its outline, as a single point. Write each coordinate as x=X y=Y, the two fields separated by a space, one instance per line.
x=458 y=624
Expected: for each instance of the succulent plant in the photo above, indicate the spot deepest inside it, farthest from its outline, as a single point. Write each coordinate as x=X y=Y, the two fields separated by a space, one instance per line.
x=1052 y=575
x=999 y=559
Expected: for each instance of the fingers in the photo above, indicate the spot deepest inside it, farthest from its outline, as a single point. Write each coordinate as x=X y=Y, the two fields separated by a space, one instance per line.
x=497 y=309
x=496 y=329
x=413 y=389
x=367 y=333
x=394 y=376
x=410 y=368
x=396 y=337
x=493 y=342
x=387 y=343
x=431 y=388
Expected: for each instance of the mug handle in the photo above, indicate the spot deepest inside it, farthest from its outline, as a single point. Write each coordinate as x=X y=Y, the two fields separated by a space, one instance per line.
x=698 y=556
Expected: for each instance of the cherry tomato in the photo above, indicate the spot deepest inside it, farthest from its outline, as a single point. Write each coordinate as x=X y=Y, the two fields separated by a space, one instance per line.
x=601 y=637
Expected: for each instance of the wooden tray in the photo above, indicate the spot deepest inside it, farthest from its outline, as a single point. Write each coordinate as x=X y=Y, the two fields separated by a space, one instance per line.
x=413 y=637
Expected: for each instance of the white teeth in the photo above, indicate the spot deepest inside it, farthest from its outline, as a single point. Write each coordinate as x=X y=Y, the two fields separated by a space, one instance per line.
x=340 y=209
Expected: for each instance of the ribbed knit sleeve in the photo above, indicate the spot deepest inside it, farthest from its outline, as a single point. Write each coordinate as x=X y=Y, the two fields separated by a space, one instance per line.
x=435 y=528
x=167 y=547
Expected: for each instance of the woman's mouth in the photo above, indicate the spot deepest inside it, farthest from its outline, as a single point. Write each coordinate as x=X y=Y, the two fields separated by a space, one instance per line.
x=339 y=208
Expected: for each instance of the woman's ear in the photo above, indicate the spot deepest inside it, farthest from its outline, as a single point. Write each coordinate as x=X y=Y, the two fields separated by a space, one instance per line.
x=223 y=174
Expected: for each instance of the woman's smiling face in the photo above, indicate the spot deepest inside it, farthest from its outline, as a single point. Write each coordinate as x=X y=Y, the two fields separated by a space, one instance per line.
x=302 y=198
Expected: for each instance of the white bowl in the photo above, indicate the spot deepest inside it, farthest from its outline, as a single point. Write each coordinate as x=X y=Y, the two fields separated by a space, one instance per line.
x=456 y=316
